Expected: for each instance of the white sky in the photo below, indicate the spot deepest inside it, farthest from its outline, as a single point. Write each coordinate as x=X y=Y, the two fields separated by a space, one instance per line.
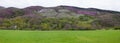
x=102 y=4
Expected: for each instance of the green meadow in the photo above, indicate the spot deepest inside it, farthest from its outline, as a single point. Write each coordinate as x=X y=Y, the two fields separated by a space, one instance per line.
x=95 y=36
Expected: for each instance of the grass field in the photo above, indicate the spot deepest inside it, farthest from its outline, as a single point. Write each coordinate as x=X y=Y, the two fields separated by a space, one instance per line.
x=97 y=36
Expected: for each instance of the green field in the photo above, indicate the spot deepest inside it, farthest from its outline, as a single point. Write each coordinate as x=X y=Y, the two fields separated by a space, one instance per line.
x=97 y=36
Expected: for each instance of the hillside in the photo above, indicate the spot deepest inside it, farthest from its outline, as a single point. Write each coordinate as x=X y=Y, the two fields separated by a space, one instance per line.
x=58 y=18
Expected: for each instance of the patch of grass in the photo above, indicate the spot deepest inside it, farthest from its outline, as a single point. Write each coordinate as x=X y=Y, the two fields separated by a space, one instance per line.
x=97 y=36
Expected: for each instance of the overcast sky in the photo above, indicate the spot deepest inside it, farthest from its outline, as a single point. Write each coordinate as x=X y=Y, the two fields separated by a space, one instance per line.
x=101 y=4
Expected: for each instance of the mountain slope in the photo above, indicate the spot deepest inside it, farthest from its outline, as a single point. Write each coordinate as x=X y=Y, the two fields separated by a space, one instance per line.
x=60 y=17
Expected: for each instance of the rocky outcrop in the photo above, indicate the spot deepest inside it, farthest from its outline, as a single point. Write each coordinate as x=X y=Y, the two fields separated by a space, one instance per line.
x=59 y=13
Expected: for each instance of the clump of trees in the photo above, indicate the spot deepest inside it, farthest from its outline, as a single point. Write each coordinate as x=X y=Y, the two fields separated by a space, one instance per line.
x=39 y=22
x=84 y=22
x=18 y=19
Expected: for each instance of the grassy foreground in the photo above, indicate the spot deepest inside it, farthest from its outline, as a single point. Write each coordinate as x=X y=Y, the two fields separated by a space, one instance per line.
x=101 y=36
